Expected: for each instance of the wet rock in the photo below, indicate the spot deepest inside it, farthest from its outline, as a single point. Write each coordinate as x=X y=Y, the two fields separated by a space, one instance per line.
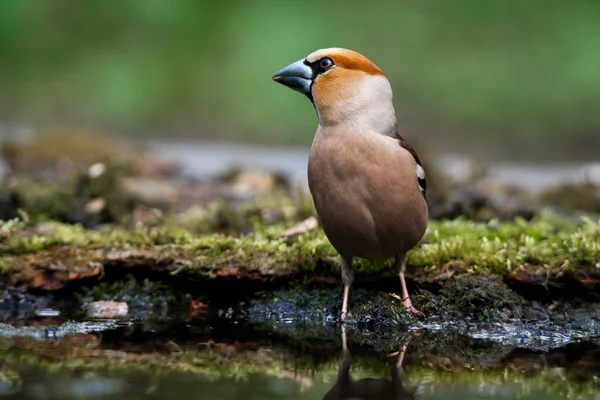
x=376 y=317
x=474 y=297
x=142 y=299
x=78 y=333
x=107 y=309
x=16 y=303
x=474 y=310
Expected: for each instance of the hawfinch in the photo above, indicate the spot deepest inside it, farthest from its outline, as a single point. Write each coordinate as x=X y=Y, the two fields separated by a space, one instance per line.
x=347 y=388
x=366 y=181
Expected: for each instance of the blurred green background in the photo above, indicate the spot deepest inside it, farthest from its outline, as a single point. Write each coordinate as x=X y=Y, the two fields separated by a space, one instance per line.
x=506 y=78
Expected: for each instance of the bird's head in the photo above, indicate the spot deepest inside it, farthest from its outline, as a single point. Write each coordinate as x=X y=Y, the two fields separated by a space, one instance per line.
x=345 y=88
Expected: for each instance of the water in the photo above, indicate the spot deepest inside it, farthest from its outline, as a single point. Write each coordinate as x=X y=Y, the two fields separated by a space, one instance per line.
x=257 y=386
x=225 y=359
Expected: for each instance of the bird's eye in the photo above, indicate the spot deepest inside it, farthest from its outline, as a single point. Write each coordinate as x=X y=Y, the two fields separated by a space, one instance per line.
x=326 y=63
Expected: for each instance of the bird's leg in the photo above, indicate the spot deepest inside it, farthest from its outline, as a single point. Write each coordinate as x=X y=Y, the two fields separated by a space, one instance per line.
x=397 y=368
x=347 y=278
x=401 y=267
x=344 y=362
x=401 y=355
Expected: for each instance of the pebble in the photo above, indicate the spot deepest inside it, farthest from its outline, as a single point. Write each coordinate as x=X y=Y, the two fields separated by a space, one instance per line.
x=107 y=309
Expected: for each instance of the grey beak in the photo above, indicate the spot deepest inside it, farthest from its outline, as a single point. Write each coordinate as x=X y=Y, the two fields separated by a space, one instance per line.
x=297 y=76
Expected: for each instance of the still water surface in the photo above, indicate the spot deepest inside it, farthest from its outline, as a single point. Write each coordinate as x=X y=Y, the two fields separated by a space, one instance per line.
x=234 y=362
x=44 y=385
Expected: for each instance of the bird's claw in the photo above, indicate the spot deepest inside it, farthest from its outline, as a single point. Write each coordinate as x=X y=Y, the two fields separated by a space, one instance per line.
x=411 y=309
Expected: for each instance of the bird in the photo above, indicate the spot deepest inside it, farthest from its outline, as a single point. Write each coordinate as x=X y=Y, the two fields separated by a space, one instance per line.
x=366 y=181
x=346 y=388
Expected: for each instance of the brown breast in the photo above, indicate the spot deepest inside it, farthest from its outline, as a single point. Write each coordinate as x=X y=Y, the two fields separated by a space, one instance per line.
x=365 y=189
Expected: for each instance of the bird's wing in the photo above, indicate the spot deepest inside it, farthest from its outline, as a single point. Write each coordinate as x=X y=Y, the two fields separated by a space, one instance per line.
x=420 y=171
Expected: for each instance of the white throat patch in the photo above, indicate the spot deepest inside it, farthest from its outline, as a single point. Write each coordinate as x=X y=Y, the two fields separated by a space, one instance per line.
x=370 y=109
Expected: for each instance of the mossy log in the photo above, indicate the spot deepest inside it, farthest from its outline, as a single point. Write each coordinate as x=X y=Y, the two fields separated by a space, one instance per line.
x=548 y=252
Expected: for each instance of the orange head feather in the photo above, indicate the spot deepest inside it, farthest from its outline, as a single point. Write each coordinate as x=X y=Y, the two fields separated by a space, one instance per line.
x=345 y=87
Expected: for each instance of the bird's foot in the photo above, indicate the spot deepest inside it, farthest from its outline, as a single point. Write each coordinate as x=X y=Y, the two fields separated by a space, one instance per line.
x=346 y=316
x=411 y=309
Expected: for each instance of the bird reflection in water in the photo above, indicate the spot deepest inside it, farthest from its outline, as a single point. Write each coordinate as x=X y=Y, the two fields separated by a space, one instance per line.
x=368 y=388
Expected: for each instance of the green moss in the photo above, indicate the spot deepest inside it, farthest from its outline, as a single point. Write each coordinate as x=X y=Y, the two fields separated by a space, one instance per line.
x=546 y=245
x=5 y=265
x=554 y=244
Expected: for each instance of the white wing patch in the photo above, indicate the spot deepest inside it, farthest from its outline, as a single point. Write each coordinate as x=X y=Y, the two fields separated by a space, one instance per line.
x=421 y=178
x=420 y=172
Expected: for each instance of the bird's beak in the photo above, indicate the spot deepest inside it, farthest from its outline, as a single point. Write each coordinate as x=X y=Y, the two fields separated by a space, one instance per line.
x=297 y=76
